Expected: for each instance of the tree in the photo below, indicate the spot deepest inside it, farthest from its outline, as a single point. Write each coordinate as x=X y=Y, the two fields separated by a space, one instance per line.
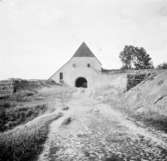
x=126 y=57
x=162 y=66
x=142 y=60
x=135 y=58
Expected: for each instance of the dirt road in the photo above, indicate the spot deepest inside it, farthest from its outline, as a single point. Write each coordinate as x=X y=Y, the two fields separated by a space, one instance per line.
x=91 y=130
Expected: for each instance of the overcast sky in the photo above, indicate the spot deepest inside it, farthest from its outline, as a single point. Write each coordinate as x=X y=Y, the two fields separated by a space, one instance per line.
x=38 y=36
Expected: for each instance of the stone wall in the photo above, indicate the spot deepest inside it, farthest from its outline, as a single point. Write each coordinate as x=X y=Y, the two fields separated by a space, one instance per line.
x=135 y=79
x=127 y=79
x=137 y=76
x=117 y=81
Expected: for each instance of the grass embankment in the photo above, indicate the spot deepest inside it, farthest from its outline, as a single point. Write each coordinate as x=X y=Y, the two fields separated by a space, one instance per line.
x=21 y=84
x=23 y=125
x=16 y=109
x=25 y=143
x=21 y=107
x=11 y=117
x=152 y=119
x=147 y=102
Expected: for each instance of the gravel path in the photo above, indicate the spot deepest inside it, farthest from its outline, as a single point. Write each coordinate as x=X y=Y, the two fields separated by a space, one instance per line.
x=92 y=131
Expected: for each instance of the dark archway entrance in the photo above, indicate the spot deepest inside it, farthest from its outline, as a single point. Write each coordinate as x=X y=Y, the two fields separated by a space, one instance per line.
x=81 y=82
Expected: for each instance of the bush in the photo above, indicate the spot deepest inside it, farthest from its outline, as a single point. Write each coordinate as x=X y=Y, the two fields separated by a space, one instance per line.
x=162 y=66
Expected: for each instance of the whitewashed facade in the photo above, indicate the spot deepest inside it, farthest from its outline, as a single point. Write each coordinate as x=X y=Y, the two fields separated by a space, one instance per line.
x=85 y=70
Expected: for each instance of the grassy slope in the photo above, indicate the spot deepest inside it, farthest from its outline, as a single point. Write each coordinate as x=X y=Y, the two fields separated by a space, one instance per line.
x=25 y=104
x=19 y=109
x=21 y=116
x=11 y=117
x=24 y=143
x=147 y=102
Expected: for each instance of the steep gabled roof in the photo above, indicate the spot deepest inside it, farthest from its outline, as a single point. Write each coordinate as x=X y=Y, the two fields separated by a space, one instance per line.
x=83 y=51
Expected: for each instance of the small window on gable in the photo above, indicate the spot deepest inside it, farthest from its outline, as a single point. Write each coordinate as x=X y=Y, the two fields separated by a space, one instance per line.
x=61 y=76
x=74 y=65
x=88 y=65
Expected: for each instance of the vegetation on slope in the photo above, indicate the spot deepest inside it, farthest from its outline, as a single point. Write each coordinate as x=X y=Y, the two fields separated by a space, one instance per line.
x=25 y=143
x=11 y=117
x=25 y=118
x=21 y=84
x=24 y=105
x=17 y=109
x=147 y=101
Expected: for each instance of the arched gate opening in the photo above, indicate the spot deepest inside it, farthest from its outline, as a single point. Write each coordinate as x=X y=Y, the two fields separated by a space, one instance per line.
x=81 y=82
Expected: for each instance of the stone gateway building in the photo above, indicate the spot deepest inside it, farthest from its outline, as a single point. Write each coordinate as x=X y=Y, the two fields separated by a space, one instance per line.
x=85 y=70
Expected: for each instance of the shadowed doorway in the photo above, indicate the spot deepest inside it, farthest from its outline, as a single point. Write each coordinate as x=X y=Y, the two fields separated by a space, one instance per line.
x=81 y=82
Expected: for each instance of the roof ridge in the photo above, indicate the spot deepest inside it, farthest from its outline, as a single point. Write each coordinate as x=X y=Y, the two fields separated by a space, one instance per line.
x=83 y=51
